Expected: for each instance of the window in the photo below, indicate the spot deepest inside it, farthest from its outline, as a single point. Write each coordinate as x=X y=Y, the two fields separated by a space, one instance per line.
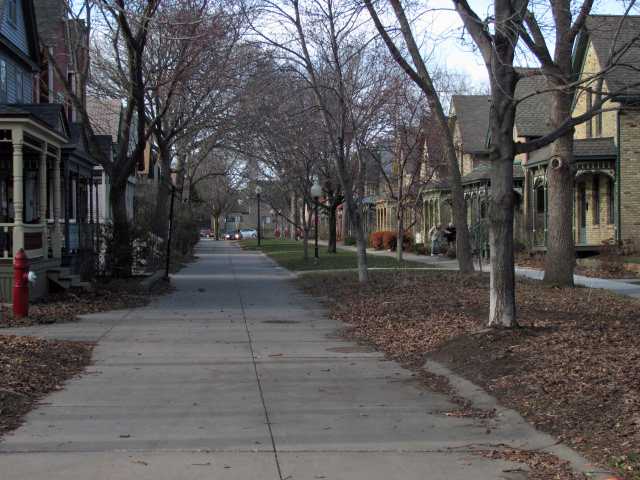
x=19 y=88
x=596 y=200
x=3 y=81
x=611 y=201
x=13 y=12
x=540 y=199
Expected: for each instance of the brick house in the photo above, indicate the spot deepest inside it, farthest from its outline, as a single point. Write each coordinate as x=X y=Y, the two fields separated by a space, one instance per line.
x=606 y=149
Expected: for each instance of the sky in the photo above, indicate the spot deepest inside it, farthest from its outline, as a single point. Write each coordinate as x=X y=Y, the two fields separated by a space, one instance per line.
x=448 y=48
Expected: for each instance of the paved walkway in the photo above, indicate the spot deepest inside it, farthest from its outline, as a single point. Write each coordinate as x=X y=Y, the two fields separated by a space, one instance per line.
x=239 y=376
x=620 y=287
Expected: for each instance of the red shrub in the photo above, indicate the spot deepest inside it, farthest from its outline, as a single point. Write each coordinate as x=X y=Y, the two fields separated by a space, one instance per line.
x=375 y=240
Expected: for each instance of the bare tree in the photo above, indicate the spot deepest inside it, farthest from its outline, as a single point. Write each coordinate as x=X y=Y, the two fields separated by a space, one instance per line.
x=401 y=158
x=125 y=28
x=416 y=68
x=326 y=44
x=557 y=65
x=192 y=75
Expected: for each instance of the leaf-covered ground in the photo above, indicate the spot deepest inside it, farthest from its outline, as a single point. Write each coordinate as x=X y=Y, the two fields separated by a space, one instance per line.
x=30 y=368
x=573 y=369
x=610 y=267
x=66 y=306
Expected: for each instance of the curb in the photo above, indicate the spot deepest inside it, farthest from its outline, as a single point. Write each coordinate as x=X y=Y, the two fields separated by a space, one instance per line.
x=479 y=398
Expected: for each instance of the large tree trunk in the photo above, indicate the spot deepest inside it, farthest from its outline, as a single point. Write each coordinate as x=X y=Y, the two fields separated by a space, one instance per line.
x=121 y=251
x=560 y=259
x=502 y=299
x=332 y=247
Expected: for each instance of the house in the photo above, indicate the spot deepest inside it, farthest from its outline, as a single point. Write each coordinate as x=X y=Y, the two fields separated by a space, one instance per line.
x=606 y=148
x=32 y=146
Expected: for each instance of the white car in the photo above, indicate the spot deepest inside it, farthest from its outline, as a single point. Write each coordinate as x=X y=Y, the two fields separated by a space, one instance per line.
x=249 y=233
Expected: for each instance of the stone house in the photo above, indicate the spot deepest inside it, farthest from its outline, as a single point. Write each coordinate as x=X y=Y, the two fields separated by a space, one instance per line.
x=606 y=148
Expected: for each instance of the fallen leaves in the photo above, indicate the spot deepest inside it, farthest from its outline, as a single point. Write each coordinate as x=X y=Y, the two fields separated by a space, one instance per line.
x=573 y=369
x=67 y=306
x=30 y=368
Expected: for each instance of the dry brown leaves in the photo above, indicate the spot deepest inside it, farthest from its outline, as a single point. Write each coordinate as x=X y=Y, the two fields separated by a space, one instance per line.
x=31 y=368
x=573 y=369
x=67 y=306
x=610 y=267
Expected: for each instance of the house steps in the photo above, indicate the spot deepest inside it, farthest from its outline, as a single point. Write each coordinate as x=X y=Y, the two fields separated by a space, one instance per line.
x=63 y=278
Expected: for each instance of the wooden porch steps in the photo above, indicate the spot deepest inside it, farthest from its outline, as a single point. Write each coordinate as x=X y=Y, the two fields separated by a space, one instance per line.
x=63 y=278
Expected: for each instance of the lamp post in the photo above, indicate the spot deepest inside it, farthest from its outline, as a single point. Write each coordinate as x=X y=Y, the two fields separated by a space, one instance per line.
x=258 y=192
x=316 y=191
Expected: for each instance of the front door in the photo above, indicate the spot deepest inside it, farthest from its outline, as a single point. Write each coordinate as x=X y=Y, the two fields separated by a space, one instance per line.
x=582 y=211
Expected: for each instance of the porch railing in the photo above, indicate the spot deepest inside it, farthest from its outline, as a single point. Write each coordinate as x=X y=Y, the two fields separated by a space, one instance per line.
x=33 y=240
x=6 y=240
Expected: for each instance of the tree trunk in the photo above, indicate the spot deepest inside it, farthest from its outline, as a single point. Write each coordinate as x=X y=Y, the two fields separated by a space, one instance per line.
x=305 y=244
x=161 y=215
x=121 y=251
x=345 y=221
x=295 y=214
x=399 y=232
x=333 y=208
x=216 y=226
x=560 y=259
x=502 y=299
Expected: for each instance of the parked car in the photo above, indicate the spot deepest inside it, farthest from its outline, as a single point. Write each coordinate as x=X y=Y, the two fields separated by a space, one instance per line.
x=248 y=233
x=205 y=233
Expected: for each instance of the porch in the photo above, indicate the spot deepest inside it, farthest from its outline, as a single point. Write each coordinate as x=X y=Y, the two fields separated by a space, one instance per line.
x=594 y=204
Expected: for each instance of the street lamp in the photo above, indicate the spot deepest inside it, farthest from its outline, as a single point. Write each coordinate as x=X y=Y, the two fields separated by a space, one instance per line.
x=316 y=191
x=258 y=192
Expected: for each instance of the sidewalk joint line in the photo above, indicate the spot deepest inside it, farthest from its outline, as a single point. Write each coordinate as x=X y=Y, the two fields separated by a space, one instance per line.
x=255 y=370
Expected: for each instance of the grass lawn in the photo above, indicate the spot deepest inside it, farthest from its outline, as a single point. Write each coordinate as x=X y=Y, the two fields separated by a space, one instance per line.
x=288 y=253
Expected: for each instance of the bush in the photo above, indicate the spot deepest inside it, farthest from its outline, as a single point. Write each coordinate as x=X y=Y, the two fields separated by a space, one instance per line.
x=387 y=240
x=375 y=240
x=349 y=241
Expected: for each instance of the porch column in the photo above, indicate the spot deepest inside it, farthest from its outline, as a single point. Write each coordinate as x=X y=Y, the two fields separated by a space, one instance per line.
x=42 y=176
x=18 y=191
x=56 y=238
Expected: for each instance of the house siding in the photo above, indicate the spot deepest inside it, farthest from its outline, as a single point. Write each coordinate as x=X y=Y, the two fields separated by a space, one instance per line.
x=14 y=72
x=630 y=173
x=17 y=33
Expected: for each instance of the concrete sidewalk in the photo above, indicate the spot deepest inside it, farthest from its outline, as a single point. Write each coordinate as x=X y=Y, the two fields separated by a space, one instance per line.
x=239 y=376
x=617 y=286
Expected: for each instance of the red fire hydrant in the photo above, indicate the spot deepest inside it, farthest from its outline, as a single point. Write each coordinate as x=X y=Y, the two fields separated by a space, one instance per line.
x=20 y=285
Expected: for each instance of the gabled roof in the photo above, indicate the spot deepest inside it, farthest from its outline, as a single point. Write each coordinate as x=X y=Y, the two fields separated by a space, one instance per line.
x=104 y=114
x=617 y=35
x=532 y=114
x=50 y=115
x=483 y=173
x=594 y=148
x=472 y=115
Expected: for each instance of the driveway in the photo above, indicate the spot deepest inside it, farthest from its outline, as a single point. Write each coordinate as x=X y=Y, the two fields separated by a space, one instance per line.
x=238 y=375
